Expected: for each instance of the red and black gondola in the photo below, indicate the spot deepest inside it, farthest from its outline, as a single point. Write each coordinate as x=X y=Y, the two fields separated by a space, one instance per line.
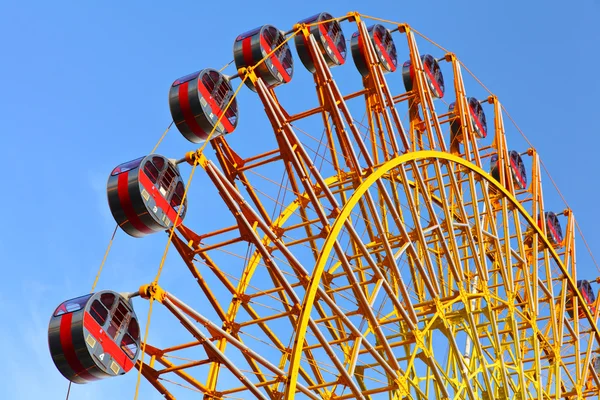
x=197 y=102
x=477 y=117
x=251 y=47
x=553 y=228
x=93 y=337
x=145 y=195
x=384 y=46
x=585 y=288
x=433 y=75
x=329 y=37
x=517 y=169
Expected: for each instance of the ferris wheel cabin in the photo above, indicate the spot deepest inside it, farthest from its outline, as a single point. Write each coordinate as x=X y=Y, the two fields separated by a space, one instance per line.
x=385 y=50
x=145 y=195
x=553 y=228
x=517 y=169
x=198 y=101
x=251 y=47
x=93 y=337
x=433 y=75
x=585 y=288
x=477 y=117
x=329 y=37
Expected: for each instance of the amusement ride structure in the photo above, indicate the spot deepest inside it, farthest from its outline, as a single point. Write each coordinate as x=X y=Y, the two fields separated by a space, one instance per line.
x=407 y=255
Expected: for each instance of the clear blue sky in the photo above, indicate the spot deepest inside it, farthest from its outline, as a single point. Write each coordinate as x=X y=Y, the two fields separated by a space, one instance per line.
x=85 y=88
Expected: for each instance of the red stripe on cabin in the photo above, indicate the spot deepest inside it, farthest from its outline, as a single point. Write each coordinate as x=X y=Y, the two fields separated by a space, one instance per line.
x=361 y=50
x=553 y=231
x=276 y=62
x=308 y=51
x=247 y=52
x=518 y=174
x=214 y=107
x=125 y=200
x=161 y=202
x=107 y=343
x=66 y=342
x=411 y=74
x=188 y=114
x=436 y=86
x=384 y=52
x=477 y=122
x=331 y=44
x=585 y=297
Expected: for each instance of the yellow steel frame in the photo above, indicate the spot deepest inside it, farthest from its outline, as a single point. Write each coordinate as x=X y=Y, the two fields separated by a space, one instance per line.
x=368 y=281
x=338 y=225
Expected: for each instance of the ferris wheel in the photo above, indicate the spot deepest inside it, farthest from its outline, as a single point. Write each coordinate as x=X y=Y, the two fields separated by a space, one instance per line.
x=402 y=251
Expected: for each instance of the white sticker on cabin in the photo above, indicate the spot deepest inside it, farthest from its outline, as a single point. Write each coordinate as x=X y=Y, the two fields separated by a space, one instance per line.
x=90 y=341
x=145 y=194
x=203 y=102
x=114 y=367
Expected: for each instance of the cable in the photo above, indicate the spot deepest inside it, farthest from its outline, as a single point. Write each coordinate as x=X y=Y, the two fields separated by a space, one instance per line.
x=226 y=65
x=524 y=137
x=104 y=259
x=162 y=262
x=161 y=138
x=112 y=238
x=172 y=230
x=551 y=180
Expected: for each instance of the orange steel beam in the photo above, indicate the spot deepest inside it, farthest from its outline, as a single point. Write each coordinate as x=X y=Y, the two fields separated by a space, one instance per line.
x=152 y=376
x=481 y=237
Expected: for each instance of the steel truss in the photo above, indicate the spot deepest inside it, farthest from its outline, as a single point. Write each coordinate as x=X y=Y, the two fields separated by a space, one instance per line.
x=394 y=263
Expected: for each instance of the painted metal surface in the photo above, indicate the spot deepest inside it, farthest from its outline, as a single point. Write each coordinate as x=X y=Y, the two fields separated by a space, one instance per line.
x=384 y=46
x=94 y=337
x=386 y=262
x=264 y=49
x=476 y=117
x=145 y=195
x=589 y=301
x=197 y=102
x=553 y=228
x=517 y=169
x=433 y=75
x=330 y=39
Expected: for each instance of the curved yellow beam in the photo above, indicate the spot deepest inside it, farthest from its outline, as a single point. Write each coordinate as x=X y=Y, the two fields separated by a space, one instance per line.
x=256 y=257
x=250 y=268
x=338 y=225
